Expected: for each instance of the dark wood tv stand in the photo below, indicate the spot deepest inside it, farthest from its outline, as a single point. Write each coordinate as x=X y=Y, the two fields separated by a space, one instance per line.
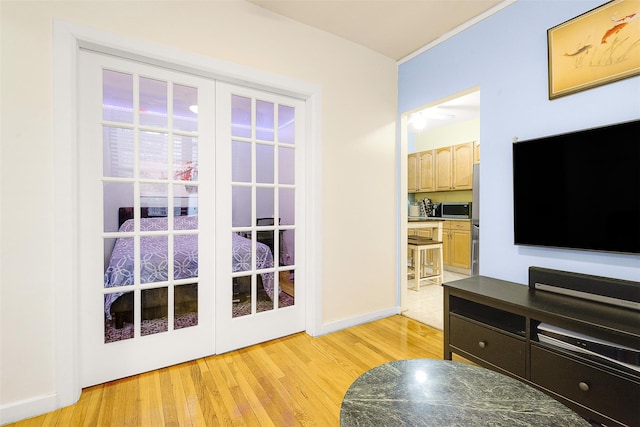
x=494 y=323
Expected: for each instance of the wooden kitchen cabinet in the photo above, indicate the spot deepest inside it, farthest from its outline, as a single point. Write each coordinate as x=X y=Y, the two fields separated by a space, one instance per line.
x=412 y=169
x=454 y=167
x=442 y=169
x=427 y=171
x=456 y=244
x=421 y=171
x=463 y=166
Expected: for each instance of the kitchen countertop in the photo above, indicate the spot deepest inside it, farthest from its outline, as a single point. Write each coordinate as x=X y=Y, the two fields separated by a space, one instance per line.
x=434 y=218
x=429 y=392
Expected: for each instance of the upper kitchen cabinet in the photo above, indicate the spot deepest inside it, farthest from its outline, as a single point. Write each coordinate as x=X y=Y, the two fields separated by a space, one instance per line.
x=463 y=166
x=427 y=170
x=421 y=171
x=412 y=170
x=454 y=167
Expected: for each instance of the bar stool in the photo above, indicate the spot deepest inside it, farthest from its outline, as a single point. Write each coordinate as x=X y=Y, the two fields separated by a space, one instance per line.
x=419 y=244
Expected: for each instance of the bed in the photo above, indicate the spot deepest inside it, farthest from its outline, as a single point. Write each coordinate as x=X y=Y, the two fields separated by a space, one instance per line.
x=153 y=266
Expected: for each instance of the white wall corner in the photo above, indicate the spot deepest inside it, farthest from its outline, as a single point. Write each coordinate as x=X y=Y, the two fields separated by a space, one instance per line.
x=65 y=207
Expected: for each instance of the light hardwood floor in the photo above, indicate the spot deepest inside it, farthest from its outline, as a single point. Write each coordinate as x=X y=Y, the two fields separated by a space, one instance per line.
x=293 y=381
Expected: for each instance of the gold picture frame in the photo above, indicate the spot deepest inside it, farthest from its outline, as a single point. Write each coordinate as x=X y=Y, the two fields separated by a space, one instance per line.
x=598 y=47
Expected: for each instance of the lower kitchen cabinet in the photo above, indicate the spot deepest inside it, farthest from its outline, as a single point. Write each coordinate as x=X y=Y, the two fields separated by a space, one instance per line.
x=494 y=323
x=456 y=245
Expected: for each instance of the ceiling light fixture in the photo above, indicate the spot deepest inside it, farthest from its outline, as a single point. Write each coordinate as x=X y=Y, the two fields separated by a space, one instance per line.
x=193 y=109
x=418 y=121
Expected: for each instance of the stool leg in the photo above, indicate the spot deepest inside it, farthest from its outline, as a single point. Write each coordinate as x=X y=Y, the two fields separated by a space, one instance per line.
x=417 y=269
x=411 y=250
x=440 y=265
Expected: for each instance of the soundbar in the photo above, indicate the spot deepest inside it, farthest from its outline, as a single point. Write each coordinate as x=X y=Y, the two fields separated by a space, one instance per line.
x=622 y=293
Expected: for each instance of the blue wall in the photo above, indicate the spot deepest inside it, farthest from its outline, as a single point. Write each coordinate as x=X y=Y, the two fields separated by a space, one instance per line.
x=506 y=56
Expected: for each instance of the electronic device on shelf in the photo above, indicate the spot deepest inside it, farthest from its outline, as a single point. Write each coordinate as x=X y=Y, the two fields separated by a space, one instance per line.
x=590 y=346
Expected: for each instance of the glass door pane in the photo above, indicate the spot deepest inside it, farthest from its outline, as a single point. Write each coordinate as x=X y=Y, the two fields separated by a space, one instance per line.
x=257 y=239
x=150 y=181
x=259 y=143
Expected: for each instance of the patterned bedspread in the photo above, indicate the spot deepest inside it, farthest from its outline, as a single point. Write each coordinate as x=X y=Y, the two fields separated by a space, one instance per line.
x=154 y=256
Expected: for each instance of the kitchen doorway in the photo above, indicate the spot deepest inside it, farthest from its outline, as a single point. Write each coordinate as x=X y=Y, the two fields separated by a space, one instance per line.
x=450 y=121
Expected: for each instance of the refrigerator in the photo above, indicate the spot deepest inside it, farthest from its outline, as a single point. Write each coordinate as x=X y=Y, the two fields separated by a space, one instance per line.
x=475 y=222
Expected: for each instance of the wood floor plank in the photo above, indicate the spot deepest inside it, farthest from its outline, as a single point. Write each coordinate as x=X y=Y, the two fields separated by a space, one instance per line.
x=150 y=399
x=259 y=377
x=89 y=404
x=192 y=401
x=296 y=380
x=254 y=396
x=179 y=396
x=307 y=389
x=65 y=416
x=208 y=395
x=237 y=406
x=303 y=406
x=109 y=391
x=130 y=402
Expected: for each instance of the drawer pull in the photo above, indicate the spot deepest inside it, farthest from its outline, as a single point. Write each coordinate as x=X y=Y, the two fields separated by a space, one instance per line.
x=583 y=386
x=482 y=344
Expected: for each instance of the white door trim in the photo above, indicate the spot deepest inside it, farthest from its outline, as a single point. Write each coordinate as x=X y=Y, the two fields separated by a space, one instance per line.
x=67 y=40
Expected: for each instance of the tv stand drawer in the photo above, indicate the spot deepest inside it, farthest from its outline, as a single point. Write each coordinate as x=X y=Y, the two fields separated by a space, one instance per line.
x=586 y=385
x=494 y=347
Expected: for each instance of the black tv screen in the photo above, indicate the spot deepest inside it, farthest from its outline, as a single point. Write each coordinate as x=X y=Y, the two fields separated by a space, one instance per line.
x=579 y=190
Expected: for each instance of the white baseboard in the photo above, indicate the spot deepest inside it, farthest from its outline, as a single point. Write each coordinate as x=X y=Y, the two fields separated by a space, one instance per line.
x=339 y=325
x=28 y=408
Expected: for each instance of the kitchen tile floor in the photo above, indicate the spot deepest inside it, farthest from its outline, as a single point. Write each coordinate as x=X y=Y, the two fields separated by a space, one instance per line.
x=426 y=305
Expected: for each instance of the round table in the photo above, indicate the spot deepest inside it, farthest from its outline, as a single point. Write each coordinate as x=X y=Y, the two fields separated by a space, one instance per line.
x=428 y=392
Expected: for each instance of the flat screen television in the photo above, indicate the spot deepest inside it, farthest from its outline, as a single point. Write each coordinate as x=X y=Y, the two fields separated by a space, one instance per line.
x=579 y=190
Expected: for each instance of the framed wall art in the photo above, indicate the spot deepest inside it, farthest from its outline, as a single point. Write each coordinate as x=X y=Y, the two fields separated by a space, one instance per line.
x=595 y=48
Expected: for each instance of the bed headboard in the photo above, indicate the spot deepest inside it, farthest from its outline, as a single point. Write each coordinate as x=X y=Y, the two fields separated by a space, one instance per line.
x=126 y=213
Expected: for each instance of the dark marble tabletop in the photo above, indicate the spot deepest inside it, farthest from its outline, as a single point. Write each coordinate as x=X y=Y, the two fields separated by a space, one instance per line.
x=429 y=392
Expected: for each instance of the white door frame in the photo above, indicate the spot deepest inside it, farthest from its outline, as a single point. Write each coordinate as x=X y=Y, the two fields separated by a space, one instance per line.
x=67 y=40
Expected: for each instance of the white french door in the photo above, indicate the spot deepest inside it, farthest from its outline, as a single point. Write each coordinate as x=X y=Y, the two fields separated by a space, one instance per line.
x=260 y=294
x=190 y=213
x=145 y=178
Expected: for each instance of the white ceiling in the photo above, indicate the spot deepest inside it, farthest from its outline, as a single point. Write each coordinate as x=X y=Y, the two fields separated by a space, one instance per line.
x=394 y=28
x=398 y=29
x=451 y=111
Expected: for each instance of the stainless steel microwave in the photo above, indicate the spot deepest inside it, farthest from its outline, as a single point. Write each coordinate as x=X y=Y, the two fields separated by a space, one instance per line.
x=460 y=210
